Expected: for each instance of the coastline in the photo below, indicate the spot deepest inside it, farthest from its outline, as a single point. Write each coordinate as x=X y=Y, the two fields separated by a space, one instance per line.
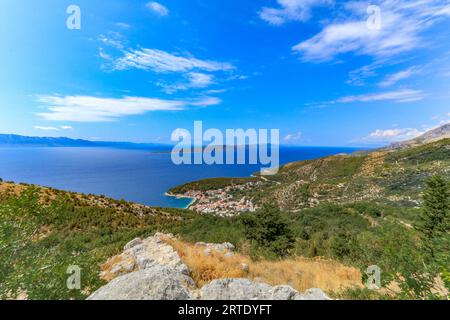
x=193 y=200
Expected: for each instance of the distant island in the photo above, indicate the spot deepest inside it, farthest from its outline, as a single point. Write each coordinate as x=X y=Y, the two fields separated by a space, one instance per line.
x=13 y=140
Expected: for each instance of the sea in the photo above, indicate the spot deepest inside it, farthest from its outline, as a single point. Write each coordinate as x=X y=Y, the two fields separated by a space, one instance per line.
x=134 y=175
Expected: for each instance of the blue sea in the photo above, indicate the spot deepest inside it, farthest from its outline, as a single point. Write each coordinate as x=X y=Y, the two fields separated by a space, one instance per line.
x=134 y=175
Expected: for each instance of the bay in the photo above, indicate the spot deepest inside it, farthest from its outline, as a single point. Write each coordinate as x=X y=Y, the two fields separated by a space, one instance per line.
x=133 y=175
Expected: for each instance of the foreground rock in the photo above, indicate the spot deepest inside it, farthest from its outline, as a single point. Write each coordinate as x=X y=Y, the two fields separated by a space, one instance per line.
x=243 y=289
x=156 y=282
x=151 y=269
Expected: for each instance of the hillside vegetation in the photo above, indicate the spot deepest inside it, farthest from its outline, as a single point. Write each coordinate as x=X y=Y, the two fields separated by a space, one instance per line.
x=357 y=211
x=389 y=177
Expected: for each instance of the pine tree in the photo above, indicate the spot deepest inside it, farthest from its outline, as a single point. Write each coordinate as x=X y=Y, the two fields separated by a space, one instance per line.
x=434 y=220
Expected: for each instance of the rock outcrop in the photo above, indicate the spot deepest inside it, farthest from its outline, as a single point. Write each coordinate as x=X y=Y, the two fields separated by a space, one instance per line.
x=156 y=282
x=151 y=269
x=141 y=254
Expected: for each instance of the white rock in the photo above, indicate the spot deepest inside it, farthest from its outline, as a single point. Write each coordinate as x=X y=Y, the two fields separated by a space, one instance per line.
x=313 y=294
x=132 y=243
x=155 y=283
x=243 y=289
x=234 y=289
x=155 y=250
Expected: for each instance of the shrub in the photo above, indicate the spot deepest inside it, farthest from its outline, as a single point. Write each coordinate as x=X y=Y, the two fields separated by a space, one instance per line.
x=269 y=231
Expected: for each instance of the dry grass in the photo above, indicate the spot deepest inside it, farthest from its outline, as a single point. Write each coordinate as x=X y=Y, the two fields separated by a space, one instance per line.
x=300 y=273
x=303 y=274
x=10 y=188
x=205 y=268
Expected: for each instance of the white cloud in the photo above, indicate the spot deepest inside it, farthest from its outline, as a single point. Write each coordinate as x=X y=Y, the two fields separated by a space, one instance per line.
x=197 y=73
x=53 y=128
x=206 y=102
x=104 y=55
x=391 y=135
x=404 y=95
x=46 y=128
x=200 y=80
x=293 y=137
x=402 y=23
x=216 y=91
x=94 y=109
x=396 y=77
x=291 y=10
x=157 y=8
x=123 y=25
x=195 y=80
x=161 y=61
x=112 y=39
x=358 y=76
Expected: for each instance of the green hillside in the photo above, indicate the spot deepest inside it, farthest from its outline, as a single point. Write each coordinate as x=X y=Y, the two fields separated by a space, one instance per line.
x=392 y=177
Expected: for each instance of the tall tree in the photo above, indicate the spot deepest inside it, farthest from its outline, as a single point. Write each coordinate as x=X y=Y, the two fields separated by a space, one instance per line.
x=434 y=223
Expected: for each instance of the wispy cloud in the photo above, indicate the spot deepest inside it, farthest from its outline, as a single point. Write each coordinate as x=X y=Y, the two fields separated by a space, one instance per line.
x=95 y=109
x=162 y=61
x=197 y=73
x=398 y=76
x=195 y=80
x=293 y=137
x=402 y=24
x=112 y=39
x=291 y=10
x=157 y=8
x=380 y=136
x=404 y=95
x=46 y=128
x=358 y=76
x=123 y=25
x=53 y=128
x=200 y=80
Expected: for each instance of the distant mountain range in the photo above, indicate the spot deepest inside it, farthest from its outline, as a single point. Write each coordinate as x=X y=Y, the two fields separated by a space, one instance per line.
x=442 y=132
x=13 y=140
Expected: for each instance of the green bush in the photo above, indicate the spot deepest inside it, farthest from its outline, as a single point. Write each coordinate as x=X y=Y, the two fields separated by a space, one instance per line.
x=268 y=230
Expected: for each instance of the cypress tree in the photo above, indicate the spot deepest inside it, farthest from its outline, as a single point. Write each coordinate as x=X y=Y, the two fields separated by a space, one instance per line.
x=434 y=220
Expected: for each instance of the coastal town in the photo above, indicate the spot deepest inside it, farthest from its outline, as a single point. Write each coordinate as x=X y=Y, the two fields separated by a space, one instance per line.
x=221 y=202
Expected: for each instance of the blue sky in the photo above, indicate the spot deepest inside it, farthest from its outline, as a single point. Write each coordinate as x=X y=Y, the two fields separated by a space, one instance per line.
x=137 y=70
